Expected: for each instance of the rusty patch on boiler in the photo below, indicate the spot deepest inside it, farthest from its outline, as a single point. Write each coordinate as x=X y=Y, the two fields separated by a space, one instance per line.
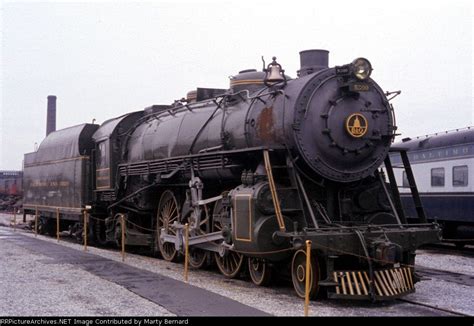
x=265 y=125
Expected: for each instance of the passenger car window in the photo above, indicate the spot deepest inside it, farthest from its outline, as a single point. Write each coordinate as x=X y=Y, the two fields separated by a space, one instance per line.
x=437 y=177
x=460 y=176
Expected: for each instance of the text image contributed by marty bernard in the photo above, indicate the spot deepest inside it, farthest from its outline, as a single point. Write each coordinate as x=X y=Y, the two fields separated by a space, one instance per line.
x=135 y=321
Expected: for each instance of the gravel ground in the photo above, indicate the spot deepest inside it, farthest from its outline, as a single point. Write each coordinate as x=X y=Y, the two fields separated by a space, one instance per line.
x=444 y=294
x=452 y=263
x=8 y=219
x=32 y=286
x=280 y=300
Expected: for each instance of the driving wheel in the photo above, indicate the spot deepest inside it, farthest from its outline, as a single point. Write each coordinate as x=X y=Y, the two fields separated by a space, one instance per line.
x=260 y=271
x=168 y=213
x=231 y=262
x=198 y=257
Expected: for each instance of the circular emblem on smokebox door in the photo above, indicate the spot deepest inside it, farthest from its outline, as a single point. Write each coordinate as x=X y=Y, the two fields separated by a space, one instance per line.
x=356 y=125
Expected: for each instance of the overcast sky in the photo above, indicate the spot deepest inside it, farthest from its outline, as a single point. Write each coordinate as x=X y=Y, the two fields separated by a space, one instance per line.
x=103 y=58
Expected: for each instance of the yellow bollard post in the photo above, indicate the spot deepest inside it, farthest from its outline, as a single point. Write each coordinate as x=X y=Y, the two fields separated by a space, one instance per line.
x=123 y=236
x=36 y=221
x=186 y=251
x=57 y=224
x=85 y=230
x=308 y=277
x=14 y=220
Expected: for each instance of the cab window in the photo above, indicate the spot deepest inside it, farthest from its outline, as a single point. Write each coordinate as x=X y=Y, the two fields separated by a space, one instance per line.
x=102 y=155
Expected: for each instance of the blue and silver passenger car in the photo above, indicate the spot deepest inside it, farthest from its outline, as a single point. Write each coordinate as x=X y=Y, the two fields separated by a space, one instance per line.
x=443 y=165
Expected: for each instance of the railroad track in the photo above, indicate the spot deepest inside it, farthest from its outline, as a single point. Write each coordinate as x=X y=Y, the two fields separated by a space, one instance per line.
x=421 y=304
x=448 y=276
x=448 y=248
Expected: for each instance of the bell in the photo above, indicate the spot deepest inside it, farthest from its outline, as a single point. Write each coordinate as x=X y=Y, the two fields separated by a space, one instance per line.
x=274 y=73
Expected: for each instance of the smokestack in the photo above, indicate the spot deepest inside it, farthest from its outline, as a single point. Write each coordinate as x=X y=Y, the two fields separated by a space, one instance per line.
x=312 y=61
x=51 y=115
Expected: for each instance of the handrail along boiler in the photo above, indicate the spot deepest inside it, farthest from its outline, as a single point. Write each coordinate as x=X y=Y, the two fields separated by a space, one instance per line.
x=255 y=170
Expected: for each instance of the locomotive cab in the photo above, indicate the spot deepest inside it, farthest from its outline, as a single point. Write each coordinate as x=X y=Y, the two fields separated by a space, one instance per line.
x=108 y=147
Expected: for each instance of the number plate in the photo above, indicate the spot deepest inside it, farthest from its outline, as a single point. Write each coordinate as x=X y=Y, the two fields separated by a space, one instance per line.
x=359 y=87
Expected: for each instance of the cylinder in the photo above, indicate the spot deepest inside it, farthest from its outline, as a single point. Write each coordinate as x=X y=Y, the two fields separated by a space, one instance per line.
x=312 y=61
x=51 y=115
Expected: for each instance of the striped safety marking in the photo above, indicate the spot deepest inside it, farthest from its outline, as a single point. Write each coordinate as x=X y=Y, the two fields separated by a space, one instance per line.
x=388 y=282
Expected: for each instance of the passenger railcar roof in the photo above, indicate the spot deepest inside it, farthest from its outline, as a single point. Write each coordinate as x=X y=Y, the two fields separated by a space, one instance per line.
x=441 y=139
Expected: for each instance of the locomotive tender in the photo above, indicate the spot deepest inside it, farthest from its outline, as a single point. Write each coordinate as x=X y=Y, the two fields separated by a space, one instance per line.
x=254 y=170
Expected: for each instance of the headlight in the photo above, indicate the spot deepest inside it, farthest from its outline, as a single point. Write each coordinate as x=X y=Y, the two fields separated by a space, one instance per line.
x=361 y=68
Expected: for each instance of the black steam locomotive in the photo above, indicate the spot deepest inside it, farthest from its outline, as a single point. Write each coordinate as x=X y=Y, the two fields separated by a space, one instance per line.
x=254 y=170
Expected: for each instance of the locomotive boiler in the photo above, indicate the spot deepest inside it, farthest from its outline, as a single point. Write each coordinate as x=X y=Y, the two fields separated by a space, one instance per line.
x=252 y=172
